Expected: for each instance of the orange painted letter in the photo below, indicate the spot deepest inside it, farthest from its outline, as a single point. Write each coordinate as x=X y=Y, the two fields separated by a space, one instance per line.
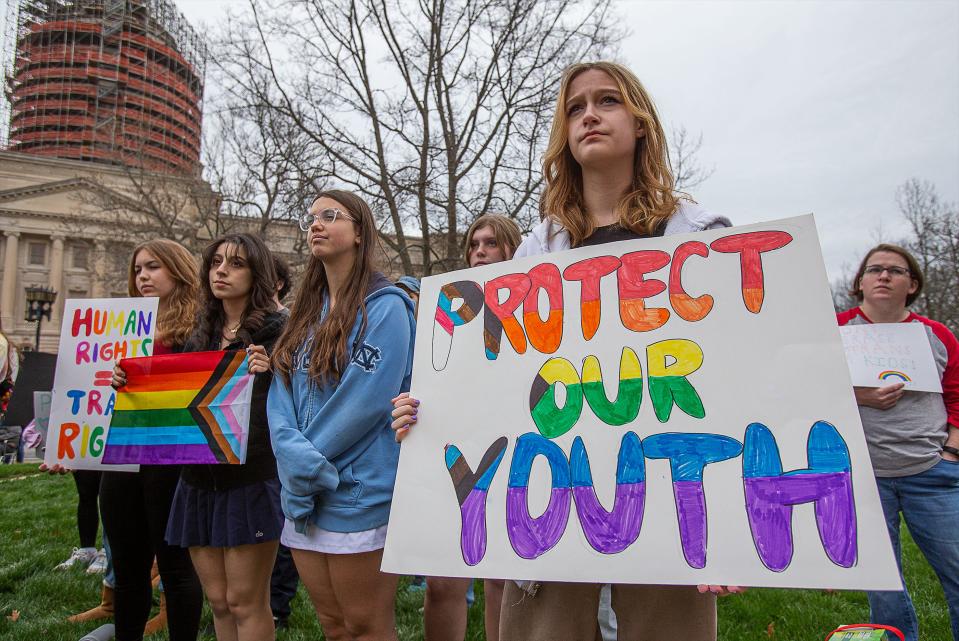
x=749 y=246
x=589 y=272
x=68 y=432
x=544 y=336
x=688 y=308
x=499 y=316
x=633 y=288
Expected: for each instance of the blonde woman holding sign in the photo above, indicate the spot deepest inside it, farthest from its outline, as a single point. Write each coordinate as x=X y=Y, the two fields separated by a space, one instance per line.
x=135 y=506
x=608 y=179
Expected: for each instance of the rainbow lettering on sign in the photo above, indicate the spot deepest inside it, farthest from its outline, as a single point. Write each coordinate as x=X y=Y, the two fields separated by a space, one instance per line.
x=668 y=385
x=123 y=331
x=510 y=304
x=471 y=489
x=771 y=493
x=94 y=334
x=526 y=312
x=893 y=374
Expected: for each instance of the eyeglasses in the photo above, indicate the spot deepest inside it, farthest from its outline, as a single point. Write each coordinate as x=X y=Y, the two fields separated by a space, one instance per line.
x=877 y=270
x=326 y=216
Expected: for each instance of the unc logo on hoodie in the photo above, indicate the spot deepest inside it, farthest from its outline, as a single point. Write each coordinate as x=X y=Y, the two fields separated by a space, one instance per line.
x=365 y=356
x=301 y=357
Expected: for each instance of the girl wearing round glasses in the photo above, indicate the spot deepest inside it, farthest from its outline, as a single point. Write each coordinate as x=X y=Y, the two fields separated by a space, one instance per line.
x=913 y=437
x=324 y=216
x=346 y=351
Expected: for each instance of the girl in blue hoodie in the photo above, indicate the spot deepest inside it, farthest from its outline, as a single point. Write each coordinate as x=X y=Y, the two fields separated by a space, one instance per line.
x=346 y=351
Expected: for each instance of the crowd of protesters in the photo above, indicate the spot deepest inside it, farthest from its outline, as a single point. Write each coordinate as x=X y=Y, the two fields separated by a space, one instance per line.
x=330 y=406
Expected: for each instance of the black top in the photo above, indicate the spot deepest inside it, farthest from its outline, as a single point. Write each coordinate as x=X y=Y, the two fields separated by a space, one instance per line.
x=614 y=233
x=260 y=463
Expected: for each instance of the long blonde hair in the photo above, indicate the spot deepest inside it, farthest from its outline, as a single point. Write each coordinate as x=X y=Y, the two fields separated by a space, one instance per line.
x=176 y=321
x=650 y=200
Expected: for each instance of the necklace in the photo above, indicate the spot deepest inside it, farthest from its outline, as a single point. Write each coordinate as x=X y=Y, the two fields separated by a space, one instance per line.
x=234 y=329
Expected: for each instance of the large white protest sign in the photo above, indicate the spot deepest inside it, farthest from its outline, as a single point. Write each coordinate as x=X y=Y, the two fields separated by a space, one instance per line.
x=94 y=335
x=881 y=354
x=672 y=411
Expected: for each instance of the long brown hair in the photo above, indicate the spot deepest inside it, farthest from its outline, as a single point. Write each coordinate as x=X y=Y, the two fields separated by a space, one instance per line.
x=330 y=352
x=175 y=323
x=259 y=304
x=505 y=230
x=650 y=200
x=915 y=271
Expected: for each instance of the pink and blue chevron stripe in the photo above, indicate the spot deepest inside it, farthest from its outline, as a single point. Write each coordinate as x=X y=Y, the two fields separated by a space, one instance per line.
x=181 y=409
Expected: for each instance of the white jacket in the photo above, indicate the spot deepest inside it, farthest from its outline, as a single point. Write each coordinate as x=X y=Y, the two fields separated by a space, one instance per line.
x=550 y=236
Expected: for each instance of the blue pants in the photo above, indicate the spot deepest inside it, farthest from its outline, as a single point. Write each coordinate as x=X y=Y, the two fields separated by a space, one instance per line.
x=109 y=577
x=283 y=583
x=929 y=503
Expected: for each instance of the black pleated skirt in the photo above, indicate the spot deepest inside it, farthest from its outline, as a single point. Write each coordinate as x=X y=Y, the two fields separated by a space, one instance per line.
x=225 y=518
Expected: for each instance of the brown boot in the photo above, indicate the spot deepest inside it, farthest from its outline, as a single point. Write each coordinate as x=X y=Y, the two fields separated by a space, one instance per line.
x=102 y=611
x=158 y=622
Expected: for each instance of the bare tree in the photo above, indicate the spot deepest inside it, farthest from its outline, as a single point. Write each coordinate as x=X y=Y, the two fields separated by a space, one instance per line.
x=842 y=299
x=935 y=244
x=253 y=161
x=683 y=151
x=145 y=204
x=435 y=110
x=252 y=184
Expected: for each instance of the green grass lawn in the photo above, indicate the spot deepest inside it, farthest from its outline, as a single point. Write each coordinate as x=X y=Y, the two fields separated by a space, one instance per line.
x=37 y=531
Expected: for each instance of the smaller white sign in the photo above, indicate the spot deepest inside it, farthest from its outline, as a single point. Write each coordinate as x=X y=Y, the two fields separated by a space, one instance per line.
x=41 y=412
x=881 y=354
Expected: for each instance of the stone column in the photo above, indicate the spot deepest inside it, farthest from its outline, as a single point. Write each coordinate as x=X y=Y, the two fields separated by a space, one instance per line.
x=97 y=288
x=56 y=280
x=8 y=298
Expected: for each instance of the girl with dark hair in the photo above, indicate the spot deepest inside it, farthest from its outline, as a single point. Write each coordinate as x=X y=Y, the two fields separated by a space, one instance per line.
x=346 y=351
x=229 y=515
x=135 y=506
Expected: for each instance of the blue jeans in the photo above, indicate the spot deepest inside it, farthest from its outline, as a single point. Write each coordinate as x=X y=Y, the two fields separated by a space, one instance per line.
x=109 y=578
x=929 y=503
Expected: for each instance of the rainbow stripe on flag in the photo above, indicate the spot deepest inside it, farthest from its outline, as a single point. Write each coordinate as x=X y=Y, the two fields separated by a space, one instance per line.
x=182 y=409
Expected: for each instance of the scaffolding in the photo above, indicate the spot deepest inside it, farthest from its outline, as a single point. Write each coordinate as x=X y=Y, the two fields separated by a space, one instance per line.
x=109 y=81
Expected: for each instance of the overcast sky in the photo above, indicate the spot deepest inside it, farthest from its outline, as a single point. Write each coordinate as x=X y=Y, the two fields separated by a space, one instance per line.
x=822 y=107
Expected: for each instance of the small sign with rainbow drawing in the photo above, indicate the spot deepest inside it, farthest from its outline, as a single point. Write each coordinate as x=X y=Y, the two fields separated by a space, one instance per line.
x=881 y=354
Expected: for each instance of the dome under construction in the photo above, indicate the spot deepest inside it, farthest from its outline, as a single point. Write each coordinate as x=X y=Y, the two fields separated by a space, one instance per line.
x=108 y=81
